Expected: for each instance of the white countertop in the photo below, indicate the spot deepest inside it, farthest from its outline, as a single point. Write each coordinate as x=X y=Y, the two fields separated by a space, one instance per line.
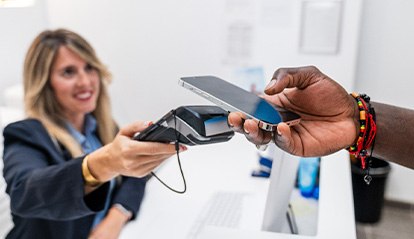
x=226 y=167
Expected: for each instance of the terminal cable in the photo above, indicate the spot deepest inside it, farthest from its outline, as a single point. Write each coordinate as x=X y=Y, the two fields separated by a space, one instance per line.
x=177 y=150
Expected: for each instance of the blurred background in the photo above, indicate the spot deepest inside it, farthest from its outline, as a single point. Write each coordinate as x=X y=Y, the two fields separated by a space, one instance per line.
x=367 y=46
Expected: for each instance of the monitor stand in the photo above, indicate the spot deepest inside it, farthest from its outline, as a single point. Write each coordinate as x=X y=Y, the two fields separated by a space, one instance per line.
x=282 y=181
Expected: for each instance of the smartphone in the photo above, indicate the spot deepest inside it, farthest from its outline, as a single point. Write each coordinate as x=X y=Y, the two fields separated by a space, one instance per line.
x=235 y=99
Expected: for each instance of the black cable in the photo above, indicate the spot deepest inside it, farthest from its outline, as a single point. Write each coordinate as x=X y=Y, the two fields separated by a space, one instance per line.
x=177 y=150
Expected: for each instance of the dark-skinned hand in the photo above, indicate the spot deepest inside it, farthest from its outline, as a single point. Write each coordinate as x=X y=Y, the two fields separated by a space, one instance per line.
x=329 y=115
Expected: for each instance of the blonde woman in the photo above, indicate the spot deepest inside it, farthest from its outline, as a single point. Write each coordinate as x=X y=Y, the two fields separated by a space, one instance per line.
x=70 y=173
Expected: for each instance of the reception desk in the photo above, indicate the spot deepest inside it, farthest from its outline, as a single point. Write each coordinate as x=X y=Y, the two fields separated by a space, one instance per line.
x=226 y=167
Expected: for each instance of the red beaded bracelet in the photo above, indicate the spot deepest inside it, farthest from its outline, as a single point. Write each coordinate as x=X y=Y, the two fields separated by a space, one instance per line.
x=367 y=132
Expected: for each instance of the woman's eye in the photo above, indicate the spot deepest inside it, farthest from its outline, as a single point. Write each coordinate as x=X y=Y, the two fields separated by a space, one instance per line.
x=89 y=68
x=68 y=72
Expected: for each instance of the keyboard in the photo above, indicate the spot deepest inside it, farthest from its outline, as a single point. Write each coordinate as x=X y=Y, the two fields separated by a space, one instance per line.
x=224 y=209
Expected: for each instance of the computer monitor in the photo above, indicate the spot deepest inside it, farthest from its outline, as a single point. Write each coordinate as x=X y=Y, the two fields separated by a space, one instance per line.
x=282 y=182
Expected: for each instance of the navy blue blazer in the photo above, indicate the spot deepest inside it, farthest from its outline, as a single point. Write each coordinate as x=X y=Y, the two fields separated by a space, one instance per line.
x=46 y=186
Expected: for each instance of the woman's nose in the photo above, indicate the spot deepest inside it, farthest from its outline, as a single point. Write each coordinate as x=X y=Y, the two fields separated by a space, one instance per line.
x=83 y=78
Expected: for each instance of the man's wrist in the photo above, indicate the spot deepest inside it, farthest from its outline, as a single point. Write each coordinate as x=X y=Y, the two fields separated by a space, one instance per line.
x=356 y=117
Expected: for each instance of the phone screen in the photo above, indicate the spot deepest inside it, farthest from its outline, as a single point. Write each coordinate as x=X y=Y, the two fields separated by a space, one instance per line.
x=234 y=98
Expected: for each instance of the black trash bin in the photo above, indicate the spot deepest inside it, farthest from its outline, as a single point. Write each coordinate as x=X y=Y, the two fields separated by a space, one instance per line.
x=369 y=199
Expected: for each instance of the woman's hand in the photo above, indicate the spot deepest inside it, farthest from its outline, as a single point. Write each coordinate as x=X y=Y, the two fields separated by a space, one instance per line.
x=128 y=157
x=329 y=115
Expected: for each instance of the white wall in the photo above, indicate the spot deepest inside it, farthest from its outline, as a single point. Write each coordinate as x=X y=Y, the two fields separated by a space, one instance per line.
x=384 y=72
x=18 y=27
x=148 y=45
x=278 y=47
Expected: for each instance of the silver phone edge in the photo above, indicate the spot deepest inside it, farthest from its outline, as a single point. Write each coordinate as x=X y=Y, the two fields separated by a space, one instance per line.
x=263 y=125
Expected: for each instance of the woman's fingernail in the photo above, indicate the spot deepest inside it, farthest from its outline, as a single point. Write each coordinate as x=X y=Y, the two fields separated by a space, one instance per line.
x=246 y=131
x=271 y=84
x=183 y=148
x=147 y=123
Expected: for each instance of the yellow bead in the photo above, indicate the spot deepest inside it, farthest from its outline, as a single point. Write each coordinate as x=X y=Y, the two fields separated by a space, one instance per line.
x=362 y=115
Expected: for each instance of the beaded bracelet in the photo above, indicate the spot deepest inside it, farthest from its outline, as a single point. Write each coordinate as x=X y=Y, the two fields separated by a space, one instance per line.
x=367 y=132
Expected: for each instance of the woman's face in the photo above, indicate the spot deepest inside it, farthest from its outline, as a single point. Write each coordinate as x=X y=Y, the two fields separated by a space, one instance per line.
x=75 y=84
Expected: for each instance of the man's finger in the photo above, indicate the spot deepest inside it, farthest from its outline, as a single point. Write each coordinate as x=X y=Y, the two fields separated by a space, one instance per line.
x=300 y=77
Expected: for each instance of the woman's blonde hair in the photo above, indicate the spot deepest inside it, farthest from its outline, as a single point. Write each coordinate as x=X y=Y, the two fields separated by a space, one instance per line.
x=39 y=98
